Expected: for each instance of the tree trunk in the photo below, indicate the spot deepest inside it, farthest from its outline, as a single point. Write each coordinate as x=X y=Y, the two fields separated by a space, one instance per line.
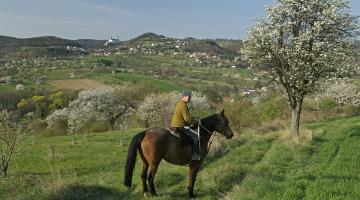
x=73 y=140
x=295 y=118
x=52 y=152
x=34 y=139
x=112 y=125
x=5 y=168
x=122 y=138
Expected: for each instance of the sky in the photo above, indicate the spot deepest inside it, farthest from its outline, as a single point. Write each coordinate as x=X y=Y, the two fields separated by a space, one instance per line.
x=100 y=19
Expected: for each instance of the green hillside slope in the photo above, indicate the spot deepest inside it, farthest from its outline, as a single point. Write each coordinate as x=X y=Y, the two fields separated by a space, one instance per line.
x=248 y=167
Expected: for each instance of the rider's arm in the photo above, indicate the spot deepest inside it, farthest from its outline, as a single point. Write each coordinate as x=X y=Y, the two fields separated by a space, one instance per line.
x=186 y=115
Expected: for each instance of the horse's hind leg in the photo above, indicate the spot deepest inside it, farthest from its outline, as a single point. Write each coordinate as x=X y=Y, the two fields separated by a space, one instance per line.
x=151 y=177
x=144 y=172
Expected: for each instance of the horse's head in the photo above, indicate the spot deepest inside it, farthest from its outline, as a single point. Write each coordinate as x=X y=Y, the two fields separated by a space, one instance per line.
x=222 y=125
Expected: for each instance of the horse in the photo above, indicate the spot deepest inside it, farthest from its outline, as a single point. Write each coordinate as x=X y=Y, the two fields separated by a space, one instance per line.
x=155 y=144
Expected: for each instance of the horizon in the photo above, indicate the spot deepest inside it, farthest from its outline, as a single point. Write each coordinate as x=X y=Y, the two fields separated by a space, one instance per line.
x=100 y=20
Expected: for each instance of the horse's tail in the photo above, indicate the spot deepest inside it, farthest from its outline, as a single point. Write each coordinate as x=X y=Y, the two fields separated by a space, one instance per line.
x=131 y=157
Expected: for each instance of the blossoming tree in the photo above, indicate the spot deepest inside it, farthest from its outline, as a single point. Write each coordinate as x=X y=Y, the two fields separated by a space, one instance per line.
x=299 y=44
x=157 y=109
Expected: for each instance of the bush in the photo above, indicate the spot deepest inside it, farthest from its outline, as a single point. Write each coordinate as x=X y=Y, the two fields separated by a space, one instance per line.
x=327 y=104
x=272 y=109
x=94 y=126
x=60 y=126
x=241 y=113
x=99 y=127
x=105 y=62
x=37 y=125
x=48 y=132
x=352 y=110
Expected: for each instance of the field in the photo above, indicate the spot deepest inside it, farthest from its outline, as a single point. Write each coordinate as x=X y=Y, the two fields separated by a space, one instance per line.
x=76 y=84
x=132 y=78
x=323 y=166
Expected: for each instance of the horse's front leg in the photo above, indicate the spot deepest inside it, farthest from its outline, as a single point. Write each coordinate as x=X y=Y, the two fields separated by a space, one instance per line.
x=193 y=170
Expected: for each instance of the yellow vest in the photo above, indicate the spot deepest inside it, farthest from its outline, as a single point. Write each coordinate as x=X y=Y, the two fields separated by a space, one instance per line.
x=181 y=116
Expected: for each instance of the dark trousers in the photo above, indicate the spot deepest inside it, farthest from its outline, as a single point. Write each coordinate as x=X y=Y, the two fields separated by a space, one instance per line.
x=185 y=136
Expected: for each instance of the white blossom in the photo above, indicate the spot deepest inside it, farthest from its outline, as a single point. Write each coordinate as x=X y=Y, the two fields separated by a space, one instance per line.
x=56 y=115
x=157 y=109
x=301 y=43
x=99 y=104
x=344 y=92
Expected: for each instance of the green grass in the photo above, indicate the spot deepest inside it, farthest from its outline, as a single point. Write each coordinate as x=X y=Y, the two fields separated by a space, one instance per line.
x=248 y=167
x=59 y=74
x=27 y=84
x=7 y=87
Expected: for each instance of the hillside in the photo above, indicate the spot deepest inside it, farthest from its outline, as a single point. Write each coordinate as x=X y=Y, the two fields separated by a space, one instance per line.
x=32 y=47
x=208 y=46
x=45 y=41
x=39 y=46
x=90 y=43
x=190 y=45
x=251 y=167
x=152 y=37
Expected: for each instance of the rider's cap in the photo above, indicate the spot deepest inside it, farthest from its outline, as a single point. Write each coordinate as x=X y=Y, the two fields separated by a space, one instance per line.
x=186 y=93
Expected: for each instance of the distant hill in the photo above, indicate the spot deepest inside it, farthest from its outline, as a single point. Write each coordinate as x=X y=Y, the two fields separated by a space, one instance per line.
x=37 y=46
x=45 y=41
x=91 y=43
x=148 y=37
x=210 y=46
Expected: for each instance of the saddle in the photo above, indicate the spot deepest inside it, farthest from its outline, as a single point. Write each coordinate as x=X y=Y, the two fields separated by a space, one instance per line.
x=184 y=139
x=173 y=132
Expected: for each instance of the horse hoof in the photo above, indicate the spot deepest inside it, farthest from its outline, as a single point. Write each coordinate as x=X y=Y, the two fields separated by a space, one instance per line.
x=192 y=196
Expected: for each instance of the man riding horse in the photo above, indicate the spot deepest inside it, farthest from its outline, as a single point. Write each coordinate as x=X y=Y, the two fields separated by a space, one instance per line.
x=156 y=144
x=183 y=124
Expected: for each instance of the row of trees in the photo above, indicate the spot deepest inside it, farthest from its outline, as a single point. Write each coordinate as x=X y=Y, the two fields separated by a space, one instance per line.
x=42 y=105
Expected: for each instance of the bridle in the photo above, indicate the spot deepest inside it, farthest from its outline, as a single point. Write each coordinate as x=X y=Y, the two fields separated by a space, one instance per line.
x=199 y=124
x=211 y=134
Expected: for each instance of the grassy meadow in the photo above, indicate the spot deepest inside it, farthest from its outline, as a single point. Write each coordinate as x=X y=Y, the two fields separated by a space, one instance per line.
x=324 y=164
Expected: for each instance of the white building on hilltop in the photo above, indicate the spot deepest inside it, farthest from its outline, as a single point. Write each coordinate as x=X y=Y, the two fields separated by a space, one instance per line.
x=112 y=41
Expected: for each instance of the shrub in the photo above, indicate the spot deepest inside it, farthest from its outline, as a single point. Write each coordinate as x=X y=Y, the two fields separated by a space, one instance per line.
x=327 y=104
x=99 y=127
x=37 y=125
x=60 y=126
x=242 y=113
x=272 y=109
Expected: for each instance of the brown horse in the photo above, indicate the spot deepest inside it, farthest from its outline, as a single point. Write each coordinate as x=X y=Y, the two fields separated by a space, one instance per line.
x=156 y=144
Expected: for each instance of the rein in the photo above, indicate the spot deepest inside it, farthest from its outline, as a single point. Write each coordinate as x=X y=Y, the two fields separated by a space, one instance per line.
x=211 y=134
